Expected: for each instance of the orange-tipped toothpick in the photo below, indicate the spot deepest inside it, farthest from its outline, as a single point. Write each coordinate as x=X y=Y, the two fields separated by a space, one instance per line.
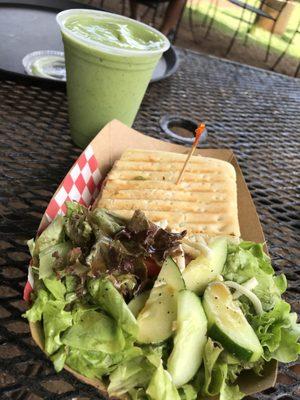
x=198 y=131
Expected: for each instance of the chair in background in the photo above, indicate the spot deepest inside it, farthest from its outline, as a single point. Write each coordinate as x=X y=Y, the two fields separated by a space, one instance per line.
x=273 y=15
x=172 y=15
x=256 y=11
x=295 y=33
x=278 y=8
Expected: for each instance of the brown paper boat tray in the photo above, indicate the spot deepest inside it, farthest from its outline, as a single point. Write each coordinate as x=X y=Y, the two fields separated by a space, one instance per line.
x=87 y=174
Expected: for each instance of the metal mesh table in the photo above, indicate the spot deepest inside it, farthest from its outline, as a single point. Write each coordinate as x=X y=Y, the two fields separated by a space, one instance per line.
x=254 y=112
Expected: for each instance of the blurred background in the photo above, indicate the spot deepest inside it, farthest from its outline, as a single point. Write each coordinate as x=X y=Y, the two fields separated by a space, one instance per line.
x=263 y=33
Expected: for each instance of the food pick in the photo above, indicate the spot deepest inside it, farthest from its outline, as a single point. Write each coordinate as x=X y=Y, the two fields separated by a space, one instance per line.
x=198 y=131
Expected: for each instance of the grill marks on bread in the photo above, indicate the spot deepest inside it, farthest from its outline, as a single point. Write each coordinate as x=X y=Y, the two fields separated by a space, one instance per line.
x=205 y=201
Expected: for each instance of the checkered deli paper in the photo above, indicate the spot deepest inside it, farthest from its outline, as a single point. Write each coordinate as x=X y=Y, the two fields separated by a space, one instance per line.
x=81 y=184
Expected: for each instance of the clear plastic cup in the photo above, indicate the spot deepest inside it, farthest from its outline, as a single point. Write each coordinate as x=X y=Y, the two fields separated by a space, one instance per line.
x=104 y=82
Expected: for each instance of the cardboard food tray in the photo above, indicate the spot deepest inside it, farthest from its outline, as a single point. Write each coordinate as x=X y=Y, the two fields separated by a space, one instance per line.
x=83 y=182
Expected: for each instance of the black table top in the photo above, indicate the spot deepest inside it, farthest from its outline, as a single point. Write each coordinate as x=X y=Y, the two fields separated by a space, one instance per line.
x=254 y=112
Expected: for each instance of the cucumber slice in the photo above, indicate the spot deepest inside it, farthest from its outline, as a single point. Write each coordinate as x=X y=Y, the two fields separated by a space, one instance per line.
x=170 y=275
x=190 y=338
x=204 y=269
x=228 y=325
x=138 y=302
x=156 y=318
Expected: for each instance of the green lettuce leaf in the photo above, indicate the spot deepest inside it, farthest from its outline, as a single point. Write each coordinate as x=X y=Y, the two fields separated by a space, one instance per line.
x=138 y=394
x=94 y=331
x=278 y=333
x=77 y=227
x=35 y=313
x=247 y=260
x=230 y=392
x=93 y=364
x=71 y=282
x=161 y=386
x=52 y=235
x=48 y=258
x=55 y=287
x=236 y=366
x=235 y=369
x=280 y=282
x=134 y=372
x=105 y=223
x=217 y=373
x=55 y=321
x=110 y=300
x=129 y=374
x=59 y=358
x=214 y=373
x=31 y=247
x=187 y=392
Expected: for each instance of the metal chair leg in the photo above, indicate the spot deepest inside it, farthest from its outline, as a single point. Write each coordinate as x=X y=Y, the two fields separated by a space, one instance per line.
x=207 y=14
x=235 y=34
x=271 y=34
x=248 y=30
x=297 y=70
x=212 y=20
x=191 y=23
x=269 y=42
x=297 y=31
x=178 y=24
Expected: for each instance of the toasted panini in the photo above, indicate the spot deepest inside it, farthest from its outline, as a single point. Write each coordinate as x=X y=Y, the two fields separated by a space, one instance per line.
x=205 y=201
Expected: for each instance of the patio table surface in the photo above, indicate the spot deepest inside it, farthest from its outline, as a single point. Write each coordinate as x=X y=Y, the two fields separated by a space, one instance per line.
x=254 y=112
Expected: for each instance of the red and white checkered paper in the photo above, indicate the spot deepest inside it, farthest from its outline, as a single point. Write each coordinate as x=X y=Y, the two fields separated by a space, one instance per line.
x=81 y=184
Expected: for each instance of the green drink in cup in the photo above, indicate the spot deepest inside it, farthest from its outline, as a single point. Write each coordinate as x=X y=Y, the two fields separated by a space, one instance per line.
x=109 y=62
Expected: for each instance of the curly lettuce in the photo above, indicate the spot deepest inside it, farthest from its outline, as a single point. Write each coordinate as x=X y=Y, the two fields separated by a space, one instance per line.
x=216 y=379
x=247 y=260
x=278 y=333
x=134 y=372
x=161 y=386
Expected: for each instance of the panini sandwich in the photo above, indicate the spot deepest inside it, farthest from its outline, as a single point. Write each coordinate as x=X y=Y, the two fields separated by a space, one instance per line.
x=204 y=202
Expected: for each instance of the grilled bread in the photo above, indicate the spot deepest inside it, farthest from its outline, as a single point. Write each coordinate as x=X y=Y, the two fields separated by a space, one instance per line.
x=205 y=201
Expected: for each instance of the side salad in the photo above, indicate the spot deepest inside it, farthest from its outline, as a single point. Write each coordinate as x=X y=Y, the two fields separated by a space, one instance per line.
x=154 y=314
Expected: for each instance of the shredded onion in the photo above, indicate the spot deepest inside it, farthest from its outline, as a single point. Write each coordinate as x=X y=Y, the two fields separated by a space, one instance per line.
x=191 y=251
x=200 y=246
x=251 y=296
x=250 y=285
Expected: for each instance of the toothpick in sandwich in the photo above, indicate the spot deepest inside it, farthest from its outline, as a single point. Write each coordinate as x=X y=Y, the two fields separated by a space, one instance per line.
x=198 y=131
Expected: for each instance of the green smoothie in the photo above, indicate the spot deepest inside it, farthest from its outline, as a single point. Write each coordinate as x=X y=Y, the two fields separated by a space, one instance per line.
x=109 y=62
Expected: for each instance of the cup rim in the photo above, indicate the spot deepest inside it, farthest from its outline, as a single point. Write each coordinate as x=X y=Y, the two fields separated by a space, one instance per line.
x=63 y=15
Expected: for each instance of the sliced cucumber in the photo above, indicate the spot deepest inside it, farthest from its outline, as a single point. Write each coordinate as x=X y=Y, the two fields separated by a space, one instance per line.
x=156 y=318
x=170 y=275
x=138 y=302
x=228 y=325
x=204 y=269
x=190 y=338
